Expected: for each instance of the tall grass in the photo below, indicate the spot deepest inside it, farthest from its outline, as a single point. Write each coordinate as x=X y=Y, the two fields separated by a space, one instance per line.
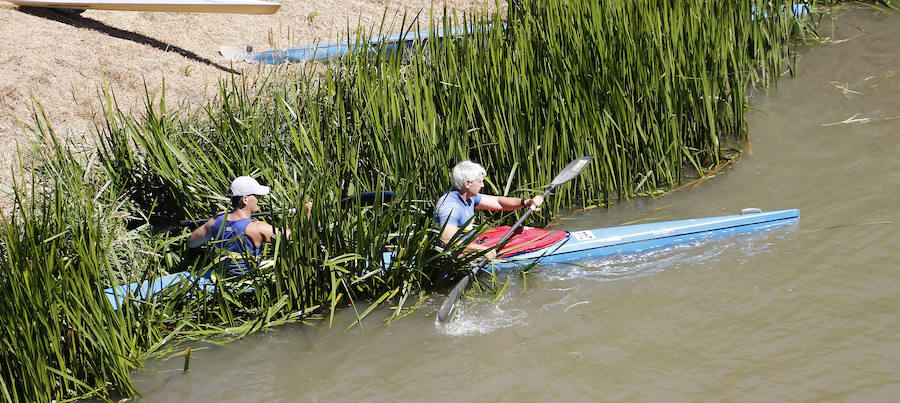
x=649 y=88
x=60 y=335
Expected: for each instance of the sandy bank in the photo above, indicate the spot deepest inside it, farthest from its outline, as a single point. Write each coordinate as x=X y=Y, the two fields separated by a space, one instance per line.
x=60 y=59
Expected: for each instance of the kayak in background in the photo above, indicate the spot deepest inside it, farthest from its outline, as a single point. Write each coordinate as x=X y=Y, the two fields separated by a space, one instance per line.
x=173 y=6
x=334 y=50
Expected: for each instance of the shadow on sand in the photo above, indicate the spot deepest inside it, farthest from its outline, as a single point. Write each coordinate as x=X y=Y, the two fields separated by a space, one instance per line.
x=72 y=17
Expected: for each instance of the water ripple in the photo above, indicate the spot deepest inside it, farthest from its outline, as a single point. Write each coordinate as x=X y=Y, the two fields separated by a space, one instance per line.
x=643 y=264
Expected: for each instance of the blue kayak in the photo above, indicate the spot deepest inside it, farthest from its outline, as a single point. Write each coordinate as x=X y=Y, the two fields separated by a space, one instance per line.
x=335 y=50
x=143 y=290
x=576 y=246
x=632 y=239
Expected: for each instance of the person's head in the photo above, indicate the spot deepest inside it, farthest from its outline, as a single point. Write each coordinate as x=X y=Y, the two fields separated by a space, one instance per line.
x=245 y=192
x=468 y=177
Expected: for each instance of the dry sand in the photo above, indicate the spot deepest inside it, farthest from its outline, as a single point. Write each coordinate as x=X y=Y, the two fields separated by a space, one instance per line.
x=60 y=59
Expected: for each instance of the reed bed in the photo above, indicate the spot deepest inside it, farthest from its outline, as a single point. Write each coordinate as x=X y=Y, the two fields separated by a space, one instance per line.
x=649 y=88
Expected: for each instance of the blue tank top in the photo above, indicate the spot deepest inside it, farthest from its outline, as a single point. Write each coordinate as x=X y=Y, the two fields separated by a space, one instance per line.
x=234 y=239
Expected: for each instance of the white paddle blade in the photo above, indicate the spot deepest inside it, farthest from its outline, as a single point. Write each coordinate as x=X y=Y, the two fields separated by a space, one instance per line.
x=572 y=170
x=235 y=54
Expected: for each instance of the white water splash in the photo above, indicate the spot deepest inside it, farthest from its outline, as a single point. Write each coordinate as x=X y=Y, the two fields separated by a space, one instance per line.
x=483 y=318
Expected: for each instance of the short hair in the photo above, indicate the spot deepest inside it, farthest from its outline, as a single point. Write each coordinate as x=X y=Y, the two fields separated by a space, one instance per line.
x=237 y=202
x=466 y=171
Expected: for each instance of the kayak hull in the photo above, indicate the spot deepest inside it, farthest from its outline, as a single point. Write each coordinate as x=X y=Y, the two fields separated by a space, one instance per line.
x=144 y=289
x=632 y=239
x=336 y=50
x=577 y=246
x=639 y=238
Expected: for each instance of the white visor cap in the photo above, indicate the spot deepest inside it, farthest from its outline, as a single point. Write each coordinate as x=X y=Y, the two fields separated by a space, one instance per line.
x=246 y=186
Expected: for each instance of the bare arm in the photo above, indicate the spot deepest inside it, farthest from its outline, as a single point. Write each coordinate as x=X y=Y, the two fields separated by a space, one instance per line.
x=267 y=231
x=503 y=203
x=448 y=233
x=202 y=234
x=260 y=232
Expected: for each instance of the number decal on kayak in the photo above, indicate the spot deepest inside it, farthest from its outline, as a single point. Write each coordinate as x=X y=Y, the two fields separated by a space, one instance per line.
x=583 y=235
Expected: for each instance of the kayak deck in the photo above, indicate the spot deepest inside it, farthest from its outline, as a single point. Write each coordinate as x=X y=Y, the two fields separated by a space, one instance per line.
x=631 y=239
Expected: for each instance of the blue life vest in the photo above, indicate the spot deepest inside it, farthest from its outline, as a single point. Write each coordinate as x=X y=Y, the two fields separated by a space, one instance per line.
x=234 y=239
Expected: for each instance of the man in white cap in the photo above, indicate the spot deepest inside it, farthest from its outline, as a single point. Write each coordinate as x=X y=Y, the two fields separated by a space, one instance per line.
x=455 y=209
x=240 y=234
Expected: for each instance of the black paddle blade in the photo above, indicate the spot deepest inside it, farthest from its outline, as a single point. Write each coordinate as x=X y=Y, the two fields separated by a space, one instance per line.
x=158 y=224
x=572 y=170
x=367 y=198
x=450 y=301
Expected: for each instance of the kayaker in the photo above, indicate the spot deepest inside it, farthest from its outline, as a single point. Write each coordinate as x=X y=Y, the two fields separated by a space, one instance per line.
x=242 y=235
x=457 y=207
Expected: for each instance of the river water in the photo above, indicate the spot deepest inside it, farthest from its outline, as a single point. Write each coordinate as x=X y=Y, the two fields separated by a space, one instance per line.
x=803 y=313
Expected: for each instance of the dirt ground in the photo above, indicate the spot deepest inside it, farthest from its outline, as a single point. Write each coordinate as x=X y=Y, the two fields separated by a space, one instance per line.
x=60 y=59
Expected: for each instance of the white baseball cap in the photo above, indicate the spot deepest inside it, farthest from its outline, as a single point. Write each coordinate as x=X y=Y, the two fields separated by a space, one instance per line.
x=246 y=186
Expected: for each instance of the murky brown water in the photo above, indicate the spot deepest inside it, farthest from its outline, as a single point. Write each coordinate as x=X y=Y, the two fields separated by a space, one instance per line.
x=806 y=313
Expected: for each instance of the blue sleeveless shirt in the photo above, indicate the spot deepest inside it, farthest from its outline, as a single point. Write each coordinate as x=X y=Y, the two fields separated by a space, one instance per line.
x=234 y=239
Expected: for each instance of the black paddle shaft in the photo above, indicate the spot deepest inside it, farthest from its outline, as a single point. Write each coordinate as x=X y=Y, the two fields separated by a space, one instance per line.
x=568 y=173
x=162 y=224
x=197 y=223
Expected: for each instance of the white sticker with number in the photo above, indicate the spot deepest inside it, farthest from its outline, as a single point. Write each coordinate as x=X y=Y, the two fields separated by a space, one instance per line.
x=583 y=235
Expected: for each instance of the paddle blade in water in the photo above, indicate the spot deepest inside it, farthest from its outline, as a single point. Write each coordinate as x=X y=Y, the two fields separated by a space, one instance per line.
x=450 y=301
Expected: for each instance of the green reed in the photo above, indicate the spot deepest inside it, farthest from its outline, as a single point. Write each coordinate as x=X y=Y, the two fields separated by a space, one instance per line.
x=60 y=335
x=649 y=88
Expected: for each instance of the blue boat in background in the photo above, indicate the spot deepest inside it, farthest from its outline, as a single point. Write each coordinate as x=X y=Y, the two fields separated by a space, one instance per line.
x=335 y=50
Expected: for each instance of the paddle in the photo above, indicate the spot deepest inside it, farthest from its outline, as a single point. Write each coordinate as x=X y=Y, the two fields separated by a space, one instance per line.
x=568 y=173
x=162 y=224
x=367 y=198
